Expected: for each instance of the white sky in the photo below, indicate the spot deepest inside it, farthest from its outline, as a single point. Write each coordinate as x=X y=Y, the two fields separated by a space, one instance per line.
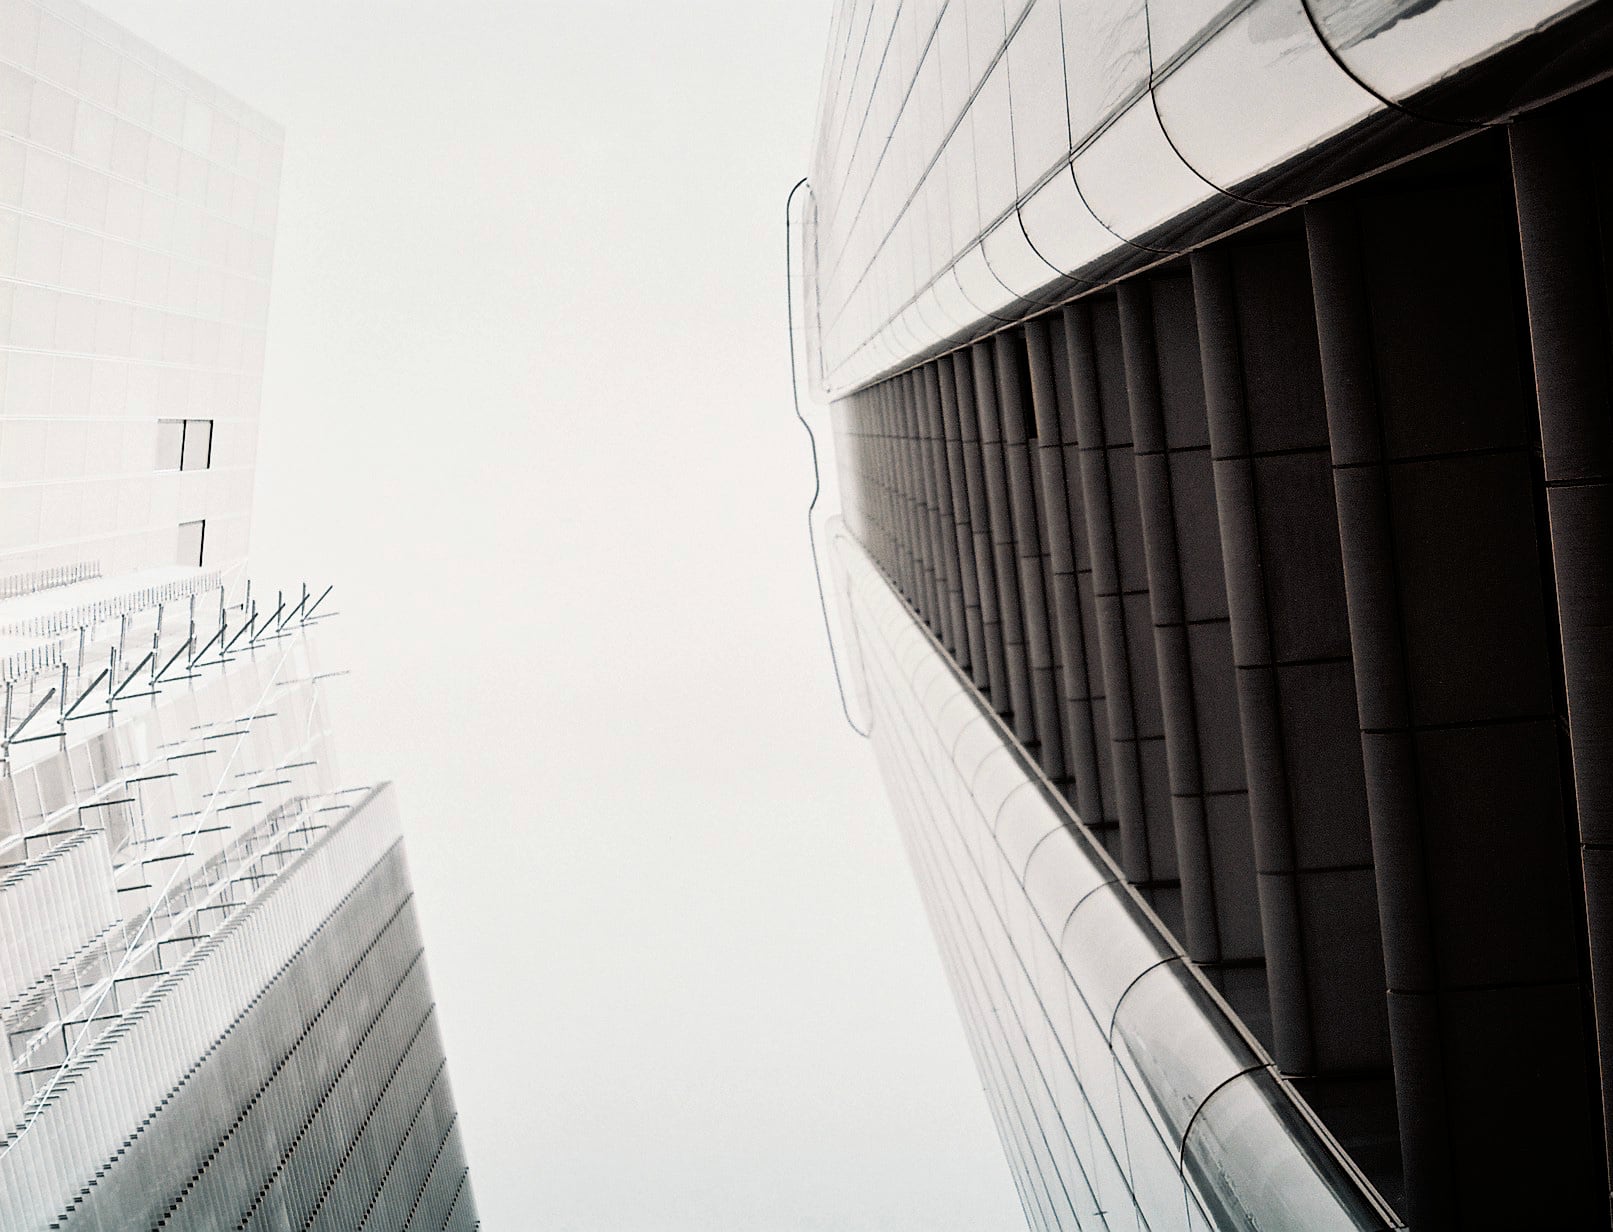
x=527 y=404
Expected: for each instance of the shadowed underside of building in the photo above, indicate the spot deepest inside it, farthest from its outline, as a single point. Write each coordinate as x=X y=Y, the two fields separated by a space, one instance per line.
x=1224 y=411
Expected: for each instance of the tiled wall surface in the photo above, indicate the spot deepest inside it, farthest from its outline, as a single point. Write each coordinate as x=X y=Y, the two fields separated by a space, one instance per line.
x=137 y=212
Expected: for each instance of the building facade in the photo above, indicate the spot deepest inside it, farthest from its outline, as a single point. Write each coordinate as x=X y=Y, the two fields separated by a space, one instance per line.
x=212 y=987
x=1222 y=398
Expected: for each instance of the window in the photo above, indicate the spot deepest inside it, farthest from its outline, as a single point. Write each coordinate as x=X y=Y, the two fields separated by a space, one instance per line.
x=170 y=444
x=184 y=444
x=198 y=452
x=191 y=539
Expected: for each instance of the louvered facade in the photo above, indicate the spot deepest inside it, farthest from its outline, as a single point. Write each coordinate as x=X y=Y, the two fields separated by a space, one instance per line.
x=1222 y=399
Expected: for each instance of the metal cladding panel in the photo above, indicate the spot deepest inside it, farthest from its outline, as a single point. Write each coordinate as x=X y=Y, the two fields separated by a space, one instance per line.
x=287 y=1073
x=976 y=160
x=53 y=906
x=1125 y=1092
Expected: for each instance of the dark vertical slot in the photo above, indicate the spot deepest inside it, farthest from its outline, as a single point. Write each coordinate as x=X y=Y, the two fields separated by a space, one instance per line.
x=946 y=545
x=880 y=448
x=925 y=531
x=969 y=577
x=877 y=501
x=1565 y=218
x=974 y=469
x=1187 y=594
x=1120 y=600
x=935 y=541
x=1004 y=553
x=1433 y=432
x=895 y=513
x=1080 y=547
x=862 y=421
x=1053 y=421
x=1295 y=689
x=1058 y=771
x=900 y=524
x=870 y=496
x=1174 y=672
x=924 y=481
x=1014 y=403
x=902 y=439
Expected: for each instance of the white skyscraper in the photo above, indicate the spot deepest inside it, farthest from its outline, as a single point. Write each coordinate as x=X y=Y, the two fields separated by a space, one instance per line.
x=212 y=988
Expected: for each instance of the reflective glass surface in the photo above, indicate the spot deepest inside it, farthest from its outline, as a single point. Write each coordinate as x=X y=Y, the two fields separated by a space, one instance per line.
x=1398 y=47
x=1171 y=109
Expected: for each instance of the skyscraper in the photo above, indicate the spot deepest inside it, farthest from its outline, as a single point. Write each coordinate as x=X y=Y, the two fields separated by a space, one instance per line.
x=212 y=985
x=1221 y=398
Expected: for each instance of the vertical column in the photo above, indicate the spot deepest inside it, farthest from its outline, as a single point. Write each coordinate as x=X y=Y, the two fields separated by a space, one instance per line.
x=1564 y=219
x=1014 y=403
x=1199 y=935
x=968 y=575
x=912 y=517
x=1120 y=599
x=980 y=524
x=1057 y=765
x=1388 y=744
x=1193 y=648
x=957 y=640
x=1003 y=551
x=901 y=562
x=1431 y=424
x=1295 y=686
x=924 y=530
x=1062 y=513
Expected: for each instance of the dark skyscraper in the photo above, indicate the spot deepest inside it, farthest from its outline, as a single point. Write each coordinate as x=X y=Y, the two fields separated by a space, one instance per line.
x=1222 y=400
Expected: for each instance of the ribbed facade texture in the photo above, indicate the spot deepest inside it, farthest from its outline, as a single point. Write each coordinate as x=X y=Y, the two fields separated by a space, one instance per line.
x=212 y=988
x=1224 y=412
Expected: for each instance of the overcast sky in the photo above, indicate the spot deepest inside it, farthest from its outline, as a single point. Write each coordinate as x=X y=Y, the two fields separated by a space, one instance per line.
x=527 y=405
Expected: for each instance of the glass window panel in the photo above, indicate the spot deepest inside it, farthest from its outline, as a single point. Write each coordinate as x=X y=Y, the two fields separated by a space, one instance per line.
x=1260 y=91
x=190 y=543
x=1108 y=944
x=1251 y=1157
x=1156 y=1179
x=1036 y=87
x=1398 y=47
x=994 y=145
x=1133 y=179
x=1169 y=1035
x=1105 y=60
x=1173 y=25
x=170 y=444
x=198 y=453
